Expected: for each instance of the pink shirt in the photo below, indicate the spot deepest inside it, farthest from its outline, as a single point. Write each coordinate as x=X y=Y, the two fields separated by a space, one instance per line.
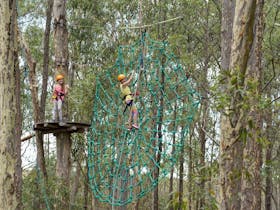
x=59 y=92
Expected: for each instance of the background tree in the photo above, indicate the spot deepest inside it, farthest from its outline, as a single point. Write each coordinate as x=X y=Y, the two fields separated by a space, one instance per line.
x=240 y=172
x=10 y=175
x=63 y=140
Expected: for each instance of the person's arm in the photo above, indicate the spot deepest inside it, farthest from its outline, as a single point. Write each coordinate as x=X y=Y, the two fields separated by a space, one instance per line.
x=54 y=93
x=127 y=82
x=66 y=89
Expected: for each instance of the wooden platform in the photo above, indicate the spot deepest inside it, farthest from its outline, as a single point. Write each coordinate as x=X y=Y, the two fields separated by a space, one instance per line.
x=54 y=127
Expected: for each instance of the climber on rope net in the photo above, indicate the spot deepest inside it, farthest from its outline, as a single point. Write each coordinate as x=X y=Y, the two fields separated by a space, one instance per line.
x=60 y=90
x=128 y=98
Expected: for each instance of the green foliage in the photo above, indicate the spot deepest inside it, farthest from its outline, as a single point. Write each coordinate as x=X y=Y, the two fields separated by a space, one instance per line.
x=33 y=35
x=175 y=202
x=81 y=97
x=30 y=191
x=30 y=9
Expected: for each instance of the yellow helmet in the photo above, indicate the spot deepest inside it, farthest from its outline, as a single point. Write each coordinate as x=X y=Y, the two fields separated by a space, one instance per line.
x=121 y=77
x=59 y=77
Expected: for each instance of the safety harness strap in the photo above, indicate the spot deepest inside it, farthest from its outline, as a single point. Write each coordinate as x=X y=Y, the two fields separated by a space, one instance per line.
x=59 y=94
x=127 y=105
x=126 y=95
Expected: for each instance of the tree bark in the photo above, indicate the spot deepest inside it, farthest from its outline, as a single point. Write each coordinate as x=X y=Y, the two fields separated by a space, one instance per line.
x=181 y=173
x=63 y=148
x=204 y=113
x=63 y=141
x=42 y=105
x=39 y=109
x=9 y=136
x=18 y=127
x=233 y=129
x=190 y=172
x=86 y=188
x=226 y=32
x=158 y=125
x=268 y=157
x=252 y=160
x=171 y=179
x=75 y=185
x=35 y=102
x=202 y=140
x=46 y=60
x=60 y=35
x=226 y=163
x=159 y=138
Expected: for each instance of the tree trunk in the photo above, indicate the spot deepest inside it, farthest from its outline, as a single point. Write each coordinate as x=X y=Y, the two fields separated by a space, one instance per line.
x=75 y=185
x=226 y=163
x=233 y=130
x=63 y=141
x=35 y=103
x=40 y=108
x=190 y=172
x=202 y=140
x=226 y=32
x=173 y=154
x=86 y=183
x=40 y=111
x=252 y=160
x=18 y=128
x=9 y=136
x=63 y=148
x=159 y=138
x=60 y=35
x=181 y=172
x=268 y=178
x=268 y=157
x=46 y=60
x=204 y=113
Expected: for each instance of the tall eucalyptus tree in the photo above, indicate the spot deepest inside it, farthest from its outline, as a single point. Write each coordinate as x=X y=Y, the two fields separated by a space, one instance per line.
x=9 y=134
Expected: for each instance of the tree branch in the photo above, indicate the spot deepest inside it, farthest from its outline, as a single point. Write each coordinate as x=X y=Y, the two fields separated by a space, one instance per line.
x=274 y=100
x=271 y=79
x=209 y=136
x=27 y=137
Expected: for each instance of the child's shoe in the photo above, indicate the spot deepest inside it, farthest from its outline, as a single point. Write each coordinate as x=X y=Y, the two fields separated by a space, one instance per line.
x=135 y=126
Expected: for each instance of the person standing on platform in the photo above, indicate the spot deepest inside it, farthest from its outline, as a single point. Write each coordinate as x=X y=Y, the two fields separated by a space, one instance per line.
x=60 y=90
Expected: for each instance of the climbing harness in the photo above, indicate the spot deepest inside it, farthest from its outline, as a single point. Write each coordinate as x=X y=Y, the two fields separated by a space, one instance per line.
x=58 y=94
x=127 y=105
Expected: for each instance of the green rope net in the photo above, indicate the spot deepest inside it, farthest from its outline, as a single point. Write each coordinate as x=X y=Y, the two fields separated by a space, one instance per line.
x=124 y=165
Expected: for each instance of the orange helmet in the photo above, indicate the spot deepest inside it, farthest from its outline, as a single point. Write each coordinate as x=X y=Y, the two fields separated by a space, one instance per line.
x=121 y=77
x=59 y=77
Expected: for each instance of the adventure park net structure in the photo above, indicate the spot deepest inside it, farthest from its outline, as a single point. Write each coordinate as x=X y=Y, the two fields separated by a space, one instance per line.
x=124 y=165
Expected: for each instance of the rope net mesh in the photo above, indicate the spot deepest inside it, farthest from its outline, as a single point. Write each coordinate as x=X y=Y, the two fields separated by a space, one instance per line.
x=123 y=164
